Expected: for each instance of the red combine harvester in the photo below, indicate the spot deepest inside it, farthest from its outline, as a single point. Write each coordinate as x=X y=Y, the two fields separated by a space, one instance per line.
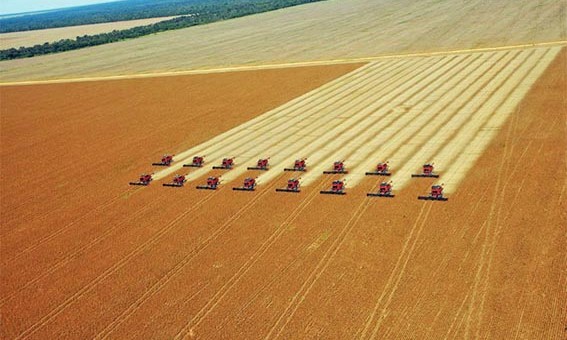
x=145 y=179
x=385 y=190
x=178 y=181
x=381 y=170
x=427 y=171
x=212 y=184
x=261 y=165
x=227 y=164
x=197 y=162
x=338 y=168
x=299 y=165
x=292 y=186
x=249 y=185
x=165 y=160
x=435 y=195
x=337 y=188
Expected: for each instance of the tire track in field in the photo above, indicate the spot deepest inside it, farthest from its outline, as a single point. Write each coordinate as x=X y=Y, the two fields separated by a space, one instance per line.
x=511 y=170
x=316 y=273
x=243 y=270
x=465 y=157
x=396 y=274
x=140 y=249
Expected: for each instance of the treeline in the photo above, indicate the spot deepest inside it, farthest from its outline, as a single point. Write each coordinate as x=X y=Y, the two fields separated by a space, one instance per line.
x=226 y=10
x=119 y=11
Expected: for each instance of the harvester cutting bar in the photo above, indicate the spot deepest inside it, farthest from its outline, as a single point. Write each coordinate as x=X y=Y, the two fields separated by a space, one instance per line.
x=176 y=185
x=425 y=175
x=331 y=192
x=206 y=187
x=432 y=198
x=378 y=173
x=287 y=190
x=377 y=194
x=140 y=183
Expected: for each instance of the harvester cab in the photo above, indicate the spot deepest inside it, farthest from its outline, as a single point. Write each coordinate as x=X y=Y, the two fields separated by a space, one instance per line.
x=262 y=164
x=249 y=185
x=298 y=165
x=292 y=186
x=338 y=168
x=436 y=194
x=166 y=160
x=384 y=190
x=337 y=188
x=227 y=164
x=145 y=179
x=382 y=169
x=197 y=162
x=178 y=181
x=427 y=171
x=212 y=184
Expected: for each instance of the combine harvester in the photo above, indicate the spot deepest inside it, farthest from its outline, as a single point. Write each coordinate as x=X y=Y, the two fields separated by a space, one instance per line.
x=298 y=165
x=427 y=171
x=262 y=164
x=227 y=164
x=178 y=181
x=145 y=179
x=197 y=162
x=292 y=186
x=381 y=170
x=166 y=160
x=249 y=185
x=338 y=168
x=435 y=195
x=212 y=184
x=337 y=188
x=385 y=190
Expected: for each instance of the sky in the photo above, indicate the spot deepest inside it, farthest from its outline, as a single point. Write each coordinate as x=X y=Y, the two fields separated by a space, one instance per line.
x=20 y=6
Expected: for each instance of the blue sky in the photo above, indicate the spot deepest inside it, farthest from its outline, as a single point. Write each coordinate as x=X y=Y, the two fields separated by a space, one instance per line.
x=19 y=6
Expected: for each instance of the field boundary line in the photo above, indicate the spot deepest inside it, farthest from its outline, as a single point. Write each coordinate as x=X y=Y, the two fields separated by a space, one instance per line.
x=283 y=65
